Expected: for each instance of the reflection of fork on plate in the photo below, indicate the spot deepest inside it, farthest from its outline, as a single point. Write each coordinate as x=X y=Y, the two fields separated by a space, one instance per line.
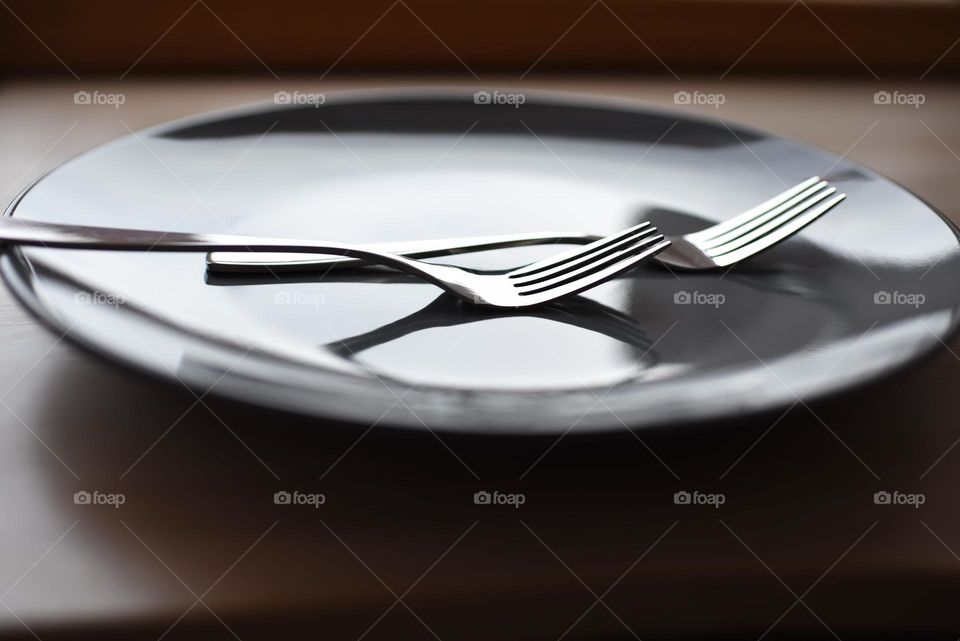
x=447 y=311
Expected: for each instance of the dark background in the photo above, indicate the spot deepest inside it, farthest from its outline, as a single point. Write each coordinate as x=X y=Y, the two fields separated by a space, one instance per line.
x=417 y=36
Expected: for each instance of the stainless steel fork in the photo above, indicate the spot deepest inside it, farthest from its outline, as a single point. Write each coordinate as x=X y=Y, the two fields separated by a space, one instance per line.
x=547 y=280
x=721 y=245
x=755 y=230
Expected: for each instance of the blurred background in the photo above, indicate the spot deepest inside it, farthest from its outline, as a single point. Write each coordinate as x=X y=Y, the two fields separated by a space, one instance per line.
x=782 y=64
x=670 y=38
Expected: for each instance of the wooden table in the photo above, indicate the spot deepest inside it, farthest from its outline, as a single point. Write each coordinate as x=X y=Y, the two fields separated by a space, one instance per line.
x=399 y=550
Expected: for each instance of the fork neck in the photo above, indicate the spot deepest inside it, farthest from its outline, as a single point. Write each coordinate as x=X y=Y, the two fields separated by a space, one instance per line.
x=685 y=255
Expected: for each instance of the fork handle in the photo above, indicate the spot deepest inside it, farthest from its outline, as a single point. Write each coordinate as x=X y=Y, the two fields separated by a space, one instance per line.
x=18 y=231
x=255 y=262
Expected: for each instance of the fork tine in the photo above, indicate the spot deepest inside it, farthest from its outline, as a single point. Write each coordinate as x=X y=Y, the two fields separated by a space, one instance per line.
x=594 y=278
x=781 y=233
x=762 y=219
x=750 y=214
x=574 y=253
x=585 y=258
x=771 y=225
x=586 y=270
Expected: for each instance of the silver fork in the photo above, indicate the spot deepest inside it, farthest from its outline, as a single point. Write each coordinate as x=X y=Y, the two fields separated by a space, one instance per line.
x=721 y=245
x=547 y=280
x=755 y=230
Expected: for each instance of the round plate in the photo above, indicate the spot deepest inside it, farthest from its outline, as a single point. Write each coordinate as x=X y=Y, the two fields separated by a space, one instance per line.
x=867 y=288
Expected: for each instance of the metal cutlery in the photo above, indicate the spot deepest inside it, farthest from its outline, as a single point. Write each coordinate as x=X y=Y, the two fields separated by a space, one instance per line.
x=566 y=273
x=755 y=230
x=718 y=246
x=246 y=262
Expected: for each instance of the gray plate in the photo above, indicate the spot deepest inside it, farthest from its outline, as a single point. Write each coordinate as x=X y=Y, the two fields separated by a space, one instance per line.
x=870 y=287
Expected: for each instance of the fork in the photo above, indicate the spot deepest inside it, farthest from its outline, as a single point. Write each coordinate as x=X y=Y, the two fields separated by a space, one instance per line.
x=566 y=273
x=716 y=247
